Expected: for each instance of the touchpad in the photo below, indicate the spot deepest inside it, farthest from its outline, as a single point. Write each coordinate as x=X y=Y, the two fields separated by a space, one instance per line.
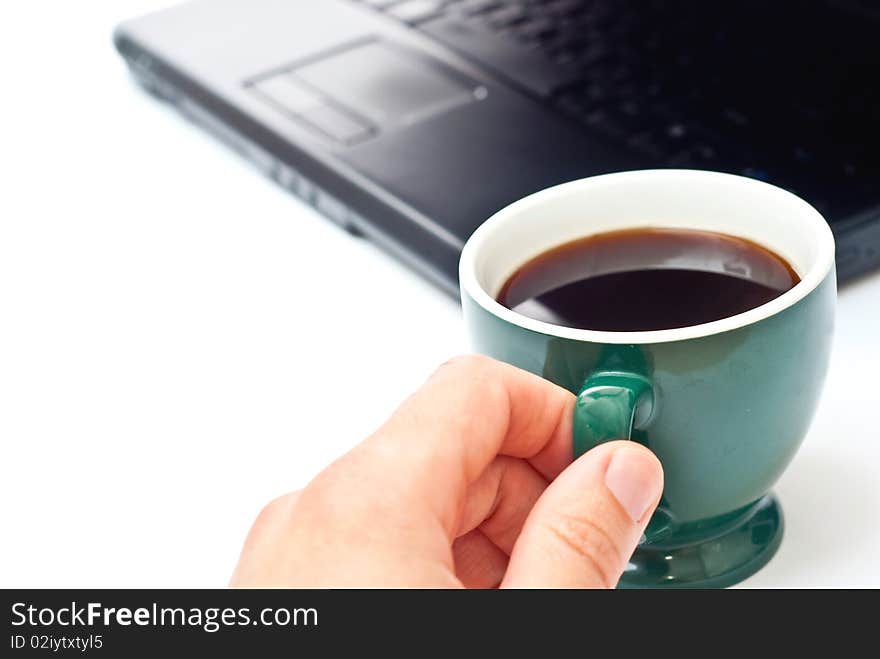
x=387 y=83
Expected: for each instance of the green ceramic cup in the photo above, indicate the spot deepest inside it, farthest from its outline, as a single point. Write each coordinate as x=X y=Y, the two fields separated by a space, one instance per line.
x=724 y=405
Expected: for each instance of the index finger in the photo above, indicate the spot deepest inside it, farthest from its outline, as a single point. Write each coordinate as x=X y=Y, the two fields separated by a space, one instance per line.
x=470 y=411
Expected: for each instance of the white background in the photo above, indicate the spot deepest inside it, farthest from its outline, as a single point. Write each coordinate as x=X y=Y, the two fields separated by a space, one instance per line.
x=181 y=341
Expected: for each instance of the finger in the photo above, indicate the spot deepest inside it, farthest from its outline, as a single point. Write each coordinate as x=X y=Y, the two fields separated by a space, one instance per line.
x=500 y=500
x=588 y=522
x=478 y=562
x=261 y=540
x=469 y=411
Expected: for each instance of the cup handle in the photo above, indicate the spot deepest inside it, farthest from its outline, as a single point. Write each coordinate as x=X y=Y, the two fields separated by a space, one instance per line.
x=609 y=405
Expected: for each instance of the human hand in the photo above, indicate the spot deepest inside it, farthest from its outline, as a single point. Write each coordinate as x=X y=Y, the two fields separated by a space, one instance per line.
x=469 y=484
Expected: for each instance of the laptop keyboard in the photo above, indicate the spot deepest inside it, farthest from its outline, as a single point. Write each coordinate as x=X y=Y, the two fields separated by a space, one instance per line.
x=678 y=87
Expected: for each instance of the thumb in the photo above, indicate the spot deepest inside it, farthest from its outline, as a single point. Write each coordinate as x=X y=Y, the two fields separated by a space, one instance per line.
x=586 y=525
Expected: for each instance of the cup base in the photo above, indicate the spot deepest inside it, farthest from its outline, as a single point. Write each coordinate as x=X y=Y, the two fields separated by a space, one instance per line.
x=717 y=563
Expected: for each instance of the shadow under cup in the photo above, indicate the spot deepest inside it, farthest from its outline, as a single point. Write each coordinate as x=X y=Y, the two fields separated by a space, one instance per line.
x=724 y=405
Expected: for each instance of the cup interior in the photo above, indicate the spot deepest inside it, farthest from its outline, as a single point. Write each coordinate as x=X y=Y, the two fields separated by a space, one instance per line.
x=674 y=199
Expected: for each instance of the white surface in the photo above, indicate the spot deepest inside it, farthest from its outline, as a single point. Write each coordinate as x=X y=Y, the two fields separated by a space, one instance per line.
x=180 y=341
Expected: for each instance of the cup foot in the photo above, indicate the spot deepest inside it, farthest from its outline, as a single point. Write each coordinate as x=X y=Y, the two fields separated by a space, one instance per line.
x=715 y=563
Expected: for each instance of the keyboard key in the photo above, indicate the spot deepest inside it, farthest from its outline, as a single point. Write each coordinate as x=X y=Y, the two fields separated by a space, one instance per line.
x=592 y=55
x=676 y=131
x=758 y=173
x=705 y=152
x=646 y=144
x=564 y=7
x=477 y=7
x=380 y=4
x=535 y=29
x=415 y=11
x=630 y=108
x=507 y=17
x=531 y=70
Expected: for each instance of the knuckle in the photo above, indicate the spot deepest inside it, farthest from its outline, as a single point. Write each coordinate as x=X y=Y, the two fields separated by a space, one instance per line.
x=478 y=376
x=471 y=363
x=590 y=541
x=278 y=509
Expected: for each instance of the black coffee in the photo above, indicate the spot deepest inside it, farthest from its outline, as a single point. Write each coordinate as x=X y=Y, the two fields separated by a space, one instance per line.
x=647 y=279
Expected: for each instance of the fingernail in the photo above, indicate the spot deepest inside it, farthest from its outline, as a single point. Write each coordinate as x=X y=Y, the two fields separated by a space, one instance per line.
x=635 y=479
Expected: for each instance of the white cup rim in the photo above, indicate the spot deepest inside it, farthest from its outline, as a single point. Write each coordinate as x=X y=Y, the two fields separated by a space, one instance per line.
x=810 y=279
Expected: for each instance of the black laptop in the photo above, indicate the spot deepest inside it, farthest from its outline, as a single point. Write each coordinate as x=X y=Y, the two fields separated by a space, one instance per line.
x=411 y=121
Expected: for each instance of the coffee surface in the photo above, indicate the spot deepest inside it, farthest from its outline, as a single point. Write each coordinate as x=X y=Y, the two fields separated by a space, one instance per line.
x=647 y=279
